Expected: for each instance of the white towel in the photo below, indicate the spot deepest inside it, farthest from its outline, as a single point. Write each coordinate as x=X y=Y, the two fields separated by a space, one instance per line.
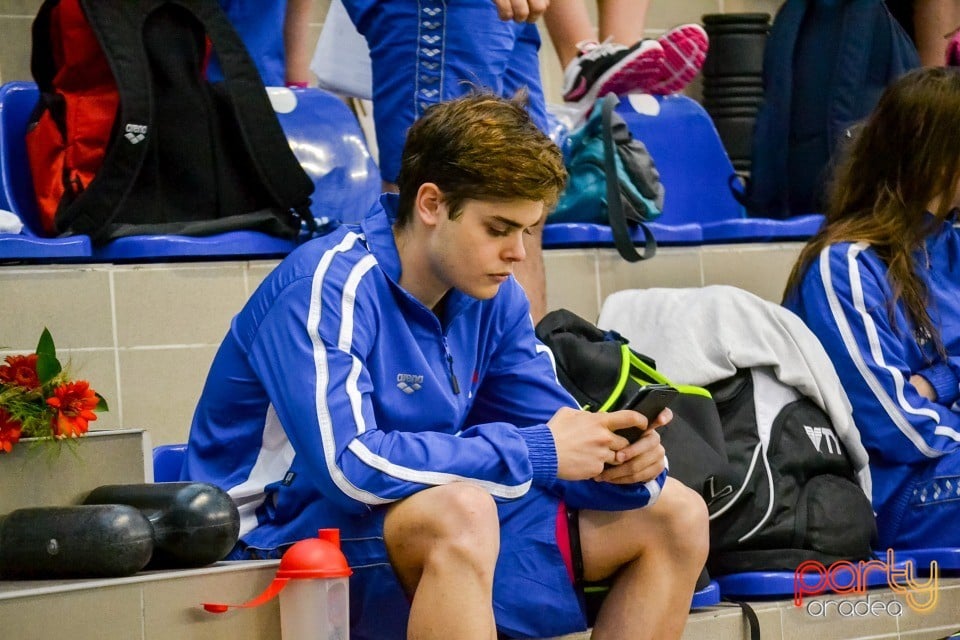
x=702 y=335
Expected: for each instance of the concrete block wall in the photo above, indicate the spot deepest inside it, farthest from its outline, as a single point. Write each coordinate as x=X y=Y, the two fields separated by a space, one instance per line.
x=144 y=335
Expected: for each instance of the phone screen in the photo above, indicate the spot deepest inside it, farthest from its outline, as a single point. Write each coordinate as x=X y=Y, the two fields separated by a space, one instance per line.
x=650 y=400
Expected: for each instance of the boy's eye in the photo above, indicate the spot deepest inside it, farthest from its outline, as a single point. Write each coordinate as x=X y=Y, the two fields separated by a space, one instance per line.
x=498 y=232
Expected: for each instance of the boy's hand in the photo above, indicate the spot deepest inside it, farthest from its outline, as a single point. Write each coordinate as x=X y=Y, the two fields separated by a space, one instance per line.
x=521 y=10
x=647 y=463
x=585 y=441
x=641 y=461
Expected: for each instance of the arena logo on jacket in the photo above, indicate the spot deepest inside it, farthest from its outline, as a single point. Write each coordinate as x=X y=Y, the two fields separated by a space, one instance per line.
x=409 y=382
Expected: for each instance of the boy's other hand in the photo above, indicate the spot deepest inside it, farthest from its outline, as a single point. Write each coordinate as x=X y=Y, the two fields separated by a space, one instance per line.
x=521 y=10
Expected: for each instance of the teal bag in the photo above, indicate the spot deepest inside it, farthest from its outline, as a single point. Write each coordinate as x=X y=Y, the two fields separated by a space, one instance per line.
x=612 y=180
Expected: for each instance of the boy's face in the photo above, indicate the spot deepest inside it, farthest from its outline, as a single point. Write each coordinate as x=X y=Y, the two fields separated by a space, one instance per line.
x=477 y=251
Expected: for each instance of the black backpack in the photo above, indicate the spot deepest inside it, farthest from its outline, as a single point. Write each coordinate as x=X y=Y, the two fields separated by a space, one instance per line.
x=825 y=64
x=789 y=493
x=182 y=155
x=776 y=496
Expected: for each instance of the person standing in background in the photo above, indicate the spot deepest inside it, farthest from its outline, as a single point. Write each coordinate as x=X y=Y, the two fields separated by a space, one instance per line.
x=614 y=56
x=277 y=35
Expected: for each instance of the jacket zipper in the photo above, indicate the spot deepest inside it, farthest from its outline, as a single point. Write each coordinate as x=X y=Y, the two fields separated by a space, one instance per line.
x=453 y=376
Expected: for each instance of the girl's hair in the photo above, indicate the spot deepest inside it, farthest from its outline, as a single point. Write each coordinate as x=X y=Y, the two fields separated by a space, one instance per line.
x=904 y=158
x=479 y=147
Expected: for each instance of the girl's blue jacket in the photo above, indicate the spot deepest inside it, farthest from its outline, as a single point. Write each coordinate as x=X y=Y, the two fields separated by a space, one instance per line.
x=912 y=441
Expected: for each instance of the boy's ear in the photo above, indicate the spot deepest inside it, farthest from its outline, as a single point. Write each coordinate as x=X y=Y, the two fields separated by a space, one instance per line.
x=429 y=205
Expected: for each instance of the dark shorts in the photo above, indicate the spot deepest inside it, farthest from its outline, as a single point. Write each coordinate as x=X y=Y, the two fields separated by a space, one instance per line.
x=533 y=593
x=425 y=52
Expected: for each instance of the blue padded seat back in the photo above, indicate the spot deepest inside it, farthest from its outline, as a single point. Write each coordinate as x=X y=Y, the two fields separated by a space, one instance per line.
x=696 y=171
x=321 y=129
x=693 y=164
x=327 y=140
x=167 y=461
x=17 y=100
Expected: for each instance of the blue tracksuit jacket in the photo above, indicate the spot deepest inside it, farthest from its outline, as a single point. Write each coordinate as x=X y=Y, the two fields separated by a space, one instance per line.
x=336 y=392
x=912 y=442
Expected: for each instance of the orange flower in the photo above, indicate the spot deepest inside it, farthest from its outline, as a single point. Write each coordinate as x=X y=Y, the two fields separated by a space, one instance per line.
x=9 y=431
x=20 y=371
x=74 y=402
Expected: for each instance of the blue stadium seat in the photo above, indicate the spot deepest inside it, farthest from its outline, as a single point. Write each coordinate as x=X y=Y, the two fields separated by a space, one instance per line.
x=759 y=585
x=689 y=155
x=581 y=234
x=167 y=461
x=667 y=230
x=696 y=171
x=17 y=100
x=947 y=559
x=327 y=140
x=323 y=133
x=706 y=597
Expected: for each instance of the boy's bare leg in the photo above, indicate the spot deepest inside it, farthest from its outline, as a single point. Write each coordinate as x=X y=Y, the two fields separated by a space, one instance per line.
x=661 y=549
x=443 y=544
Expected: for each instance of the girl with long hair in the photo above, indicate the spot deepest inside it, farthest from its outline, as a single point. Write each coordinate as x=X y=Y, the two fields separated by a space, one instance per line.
x=880 y=286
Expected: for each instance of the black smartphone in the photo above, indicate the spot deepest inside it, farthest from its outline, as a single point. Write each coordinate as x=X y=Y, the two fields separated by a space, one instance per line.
x=649 y=400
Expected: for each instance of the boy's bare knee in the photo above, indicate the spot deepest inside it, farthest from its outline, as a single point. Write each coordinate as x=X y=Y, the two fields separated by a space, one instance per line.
x=442 y=519
x=685 y=519
x=464 y=510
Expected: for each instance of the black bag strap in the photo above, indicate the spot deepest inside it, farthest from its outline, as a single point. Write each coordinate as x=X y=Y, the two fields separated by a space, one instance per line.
x=615 y=212
x=275 y=163
x=42 y=65
x=750 y=617
x=100 y=200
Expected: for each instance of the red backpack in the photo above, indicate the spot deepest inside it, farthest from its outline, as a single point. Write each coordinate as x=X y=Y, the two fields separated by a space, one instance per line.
x=130 y=138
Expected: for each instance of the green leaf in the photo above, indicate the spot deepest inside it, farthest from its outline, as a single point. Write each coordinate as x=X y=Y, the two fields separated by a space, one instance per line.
x=47 y=364
x=101 y=403
x=46 y=343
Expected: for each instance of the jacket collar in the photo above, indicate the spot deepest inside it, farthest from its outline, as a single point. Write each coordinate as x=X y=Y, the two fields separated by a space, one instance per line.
x=377 y=229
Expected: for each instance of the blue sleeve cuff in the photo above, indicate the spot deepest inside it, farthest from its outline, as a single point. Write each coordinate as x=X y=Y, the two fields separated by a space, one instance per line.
x=944 y=381
x=543 y=453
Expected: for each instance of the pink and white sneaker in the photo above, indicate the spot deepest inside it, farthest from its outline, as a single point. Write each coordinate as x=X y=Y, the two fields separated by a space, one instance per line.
x=685 y=49
x=607 y=67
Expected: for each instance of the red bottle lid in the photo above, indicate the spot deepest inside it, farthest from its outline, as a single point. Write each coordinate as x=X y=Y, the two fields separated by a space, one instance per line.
x=315 y=558
x=312 y=558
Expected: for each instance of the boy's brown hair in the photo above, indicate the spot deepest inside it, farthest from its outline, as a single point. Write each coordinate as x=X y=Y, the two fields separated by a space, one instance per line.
x=479 y=147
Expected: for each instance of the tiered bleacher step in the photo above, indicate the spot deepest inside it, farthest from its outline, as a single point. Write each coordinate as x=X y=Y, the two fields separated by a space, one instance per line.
x=165 y=605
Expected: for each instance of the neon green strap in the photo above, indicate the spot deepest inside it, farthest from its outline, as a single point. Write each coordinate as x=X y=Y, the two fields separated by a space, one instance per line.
x=654 y=376
x=622 y=378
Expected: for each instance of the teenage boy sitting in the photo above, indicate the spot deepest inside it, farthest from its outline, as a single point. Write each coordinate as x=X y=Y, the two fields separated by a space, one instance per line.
x=385 y=379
